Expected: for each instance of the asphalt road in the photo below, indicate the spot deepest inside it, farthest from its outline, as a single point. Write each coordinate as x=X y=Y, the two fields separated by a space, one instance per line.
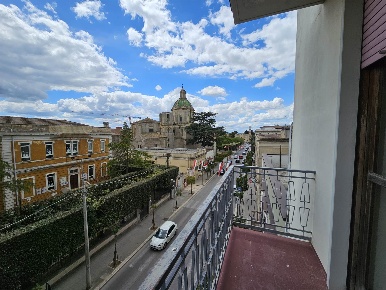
x=134 y=272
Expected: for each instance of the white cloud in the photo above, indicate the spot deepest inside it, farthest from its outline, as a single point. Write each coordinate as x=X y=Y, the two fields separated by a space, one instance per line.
x=89 y=9
x=266 y=82
x=179 y=44
x=51 y=7
x=116 y=107
x=224 y=19
x=134 y=37
x=40 y=54
x=240 y=115
x=213 y=91
x=158 y=87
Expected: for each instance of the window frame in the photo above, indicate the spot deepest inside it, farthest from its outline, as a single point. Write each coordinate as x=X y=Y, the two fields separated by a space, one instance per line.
x=54 y=175
x=73 y=146
x=103 y=145
x=49 y=143
x=25 y=145
x=90 y=146
x=91 y=176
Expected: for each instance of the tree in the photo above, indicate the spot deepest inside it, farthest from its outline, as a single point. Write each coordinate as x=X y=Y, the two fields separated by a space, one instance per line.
x=125 y=155
x=228 y=143
x=233 y=134
x=7 y=181
x=203 y=130
x=242 y=182
x=190 y=180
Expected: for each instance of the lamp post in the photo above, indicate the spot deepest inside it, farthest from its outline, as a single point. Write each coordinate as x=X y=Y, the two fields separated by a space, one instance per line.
x=86 y=240
x=171 y=187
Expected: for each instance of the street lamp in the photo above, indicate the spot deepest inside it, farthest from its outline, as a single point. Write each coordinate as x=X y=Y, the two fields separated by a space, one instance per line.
x=86 y=239
x=171 y=187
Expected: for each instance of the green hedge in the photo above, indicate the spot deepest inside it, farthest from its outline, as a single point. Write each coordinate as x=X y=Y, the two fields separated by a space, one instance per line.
x=27 y=254
x=66 y=201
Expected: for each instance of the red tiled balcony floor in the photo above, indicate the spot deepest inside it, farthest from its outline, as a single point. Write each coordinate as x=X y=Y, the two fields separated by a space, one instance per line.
x=255 y=260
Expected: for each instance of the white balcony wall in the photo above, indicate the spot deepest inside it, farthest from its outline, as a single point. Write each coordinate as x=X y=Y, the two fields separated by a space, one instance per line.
x=325 y=112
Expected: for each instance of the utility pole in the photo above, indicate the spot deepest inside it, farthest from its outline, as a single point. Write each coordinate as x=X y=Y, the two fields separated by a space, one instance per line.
x=280 y=157
x=86 y=240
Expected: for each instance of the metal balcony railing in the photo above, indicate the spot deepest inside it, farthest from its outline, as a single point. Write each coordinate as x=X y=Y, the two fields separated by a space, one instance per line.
x=194 y=259
x=275 y=200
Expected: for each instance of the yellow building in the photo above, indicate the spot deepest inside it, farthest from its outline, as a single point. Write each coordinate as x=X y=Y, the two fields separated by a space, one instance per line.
x=53 y=154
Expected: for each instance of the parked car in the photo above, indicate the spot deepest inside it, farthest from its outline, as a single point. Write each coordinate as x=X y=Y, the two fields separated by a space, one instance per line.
x=163 y=235
x=237 y=161
x=222 y=171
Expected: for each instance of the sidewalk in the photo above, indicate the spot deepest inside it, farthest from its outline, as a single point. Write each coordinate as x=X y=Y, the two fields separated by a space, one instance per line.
x=130 y=239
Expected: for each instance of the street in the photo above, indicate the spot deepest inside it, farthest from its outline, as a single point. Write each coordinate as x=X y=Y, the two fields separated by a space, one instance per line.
x=134 y=271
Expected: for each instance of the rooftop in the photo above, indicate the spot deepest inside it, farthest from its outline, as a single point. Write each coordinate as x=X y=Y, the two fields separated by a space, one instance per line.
x=35 y=121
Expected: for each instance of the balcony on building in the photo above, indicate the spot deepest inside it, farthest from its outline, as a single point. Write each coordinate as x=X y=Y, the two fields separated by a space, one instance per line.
x=262 y=239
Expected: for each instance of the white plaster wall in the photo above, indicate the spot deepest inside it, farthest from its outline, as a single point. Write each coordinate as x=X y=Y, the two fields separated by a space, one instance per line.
x=325 y=111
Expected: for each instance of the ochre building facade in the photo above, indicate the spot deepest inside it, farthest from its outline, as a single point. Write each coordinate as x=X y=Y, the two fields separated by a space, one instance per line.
x=54 y=155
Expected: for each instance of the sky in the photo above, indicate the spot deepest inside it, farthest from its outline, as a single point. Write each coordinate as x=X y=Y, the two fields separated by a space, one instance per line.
x=105 y=61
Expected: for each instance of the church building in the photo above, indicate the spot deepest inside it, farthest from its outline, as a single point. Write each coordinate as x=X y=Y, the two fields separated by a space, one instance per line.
x=169 y=131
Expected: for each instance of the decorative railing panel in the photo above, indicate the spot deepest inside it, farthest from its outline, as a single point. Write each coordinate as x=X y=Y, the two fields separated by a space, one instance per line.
x=275 y=199
x=194 y=259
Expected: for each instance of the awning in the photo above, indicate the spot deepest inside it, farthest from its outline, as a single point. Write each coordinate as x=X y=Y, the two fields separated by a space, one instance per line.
x=247 y=10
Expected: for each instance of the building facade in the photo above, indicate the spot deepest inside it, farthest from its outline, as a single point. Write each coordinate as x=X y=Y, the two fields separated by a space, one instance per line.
x=169 y=131
x=273 y=140
x=54 y=155
x=339 y=130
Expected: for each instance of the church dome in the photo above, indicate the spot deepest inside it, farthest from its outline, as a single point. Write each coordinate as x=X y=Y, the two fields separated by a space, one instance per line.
x=182 y=102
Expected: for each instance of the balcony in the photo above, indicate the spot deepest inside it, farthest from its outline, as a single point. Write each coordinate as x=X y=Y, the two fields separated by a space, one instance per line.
x=258 y=237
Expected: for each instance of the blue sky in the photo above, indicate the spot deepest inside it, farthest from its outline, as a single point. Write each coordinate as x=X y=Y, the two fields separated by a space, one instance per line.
x=98 y=61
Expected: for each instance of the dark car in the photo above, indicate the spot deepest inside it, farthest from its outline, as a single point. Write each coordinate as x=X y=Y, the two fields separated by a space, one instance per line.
x=222 y=171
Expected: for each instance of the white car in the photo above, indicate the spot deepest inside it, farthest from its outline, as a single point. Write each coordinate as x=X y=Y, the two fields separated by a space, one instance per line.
x=163 y=235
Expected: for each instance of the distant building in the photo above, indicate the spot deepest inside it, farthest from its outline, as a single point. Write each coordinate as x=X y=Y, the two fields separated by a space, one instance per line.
x=246 y=137
x=272 y=140
x=169 y=131
x=52 y=154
